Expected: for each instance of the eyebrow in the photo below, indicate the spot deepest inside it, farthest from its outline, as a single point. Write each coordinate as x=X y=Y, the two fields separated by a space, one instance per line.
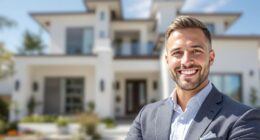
x=197 y=46
x=193 y=47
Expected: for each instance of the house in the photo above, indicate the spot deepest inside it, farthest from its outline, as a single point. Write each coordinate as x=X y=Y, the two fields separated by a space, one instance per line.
x=118 y=64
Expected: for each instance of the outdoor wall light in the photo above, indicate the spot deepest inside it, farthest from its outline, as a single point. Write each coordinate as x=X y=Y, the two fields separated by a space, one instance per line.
x=102 y=85
x=35 y=86
x=17 y=85
x=117 y=85
x=155 y=85
x=251 y=73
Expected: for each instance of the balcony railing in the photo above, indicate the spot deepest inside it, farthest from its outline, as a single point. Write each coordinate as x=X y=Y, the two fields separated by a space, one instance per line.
x=134 y=49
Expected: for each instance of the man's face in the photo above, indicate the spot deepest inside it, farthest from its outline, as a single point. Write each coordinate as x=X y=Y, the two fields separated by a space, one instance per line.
x=189 y=58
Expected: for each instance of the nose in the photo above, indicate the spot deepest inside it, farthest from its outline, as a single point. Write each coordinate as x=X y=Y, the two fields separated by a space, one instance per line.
x=186 y=59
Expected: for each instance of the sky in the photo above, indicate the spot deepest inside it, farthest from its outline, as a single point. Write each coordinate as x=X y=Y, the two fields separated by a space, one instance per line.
x=18 y=10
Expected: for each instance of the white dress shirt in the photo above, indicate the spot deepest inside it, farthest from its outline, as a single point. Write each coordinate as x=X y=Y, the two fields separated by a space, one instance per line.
x=181 y=121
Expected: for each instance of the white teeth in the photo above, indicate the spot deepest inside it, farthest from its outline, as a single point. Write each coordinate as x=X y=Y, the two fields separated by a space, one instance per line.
x=188 y=72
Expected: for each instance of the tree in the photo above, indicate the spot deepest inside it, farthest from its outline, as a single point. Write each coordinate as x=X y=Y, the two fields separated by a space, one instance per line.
x=32 y=44
x=4 y=22
x=6 y=62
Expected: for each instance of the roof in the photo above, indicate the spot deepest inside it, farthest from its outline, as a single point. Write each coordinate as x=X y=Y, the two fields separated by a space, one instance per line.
x=228 y=17
x=236 y=14
x=160 y=39
x=43 y=19
x=116 y=4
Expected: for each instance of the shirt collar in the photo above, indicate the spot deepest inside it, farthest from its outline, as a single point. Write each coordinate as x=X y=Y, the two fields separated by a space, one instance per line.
x=197 y=99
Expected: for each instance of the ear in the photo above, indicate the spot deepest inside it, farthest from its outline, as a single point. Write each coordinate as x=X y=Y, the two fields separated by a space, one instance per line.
x=211 y=57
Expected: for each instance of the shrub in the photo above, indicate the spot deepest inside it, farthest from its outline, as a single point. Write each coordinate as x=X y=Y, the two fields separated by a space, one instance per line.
x=62 y=122
x=39 y=119
x=2 y=126
x=109 y=122
x=3 y=110
x=91 y=106
x=89 y=122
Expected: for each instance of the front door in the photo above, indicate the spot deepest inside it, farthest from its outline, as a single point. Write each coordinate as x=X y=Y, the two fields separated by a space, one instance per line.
x=135 y=96
x=52 y=96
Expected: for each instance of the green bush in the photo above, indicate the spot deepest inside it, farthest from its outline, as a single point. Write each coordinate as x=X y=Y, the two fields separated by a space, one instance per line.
x=109 y=122
x=4 y=111
x=96 y=136
x=62 y=122
x=39 y=119
x=89 y=122
x=2 y=126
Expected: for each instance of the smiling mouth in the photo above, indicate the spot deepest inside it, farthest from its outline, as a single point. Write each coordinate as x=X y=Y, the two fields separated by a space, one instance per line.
x=188 y=72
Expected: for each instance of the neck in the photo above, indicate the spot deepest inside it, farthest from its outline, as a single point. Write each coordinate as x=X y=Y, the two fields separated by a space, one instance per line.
x=183 y=96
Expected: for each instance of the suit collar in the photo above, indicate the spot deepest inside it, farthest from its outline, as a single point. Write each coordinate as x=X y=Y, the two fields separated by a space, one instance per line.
x=205 y=115
x=163 y=120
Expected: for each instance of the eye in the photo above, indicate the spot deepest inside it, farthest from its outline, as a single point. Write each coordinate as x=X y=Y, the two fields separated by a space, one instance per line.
x=197 y=51
x=177 y=53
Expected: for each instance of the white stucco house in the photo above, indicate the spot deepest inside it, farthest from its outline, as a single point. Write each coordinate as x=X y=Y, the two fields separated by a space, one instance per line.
x=98 y=56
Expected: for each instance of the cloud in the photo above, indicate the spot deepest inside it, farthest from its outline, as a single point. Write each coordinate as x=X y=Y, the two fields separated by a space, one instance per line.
x=138 y=8
x=212 y=7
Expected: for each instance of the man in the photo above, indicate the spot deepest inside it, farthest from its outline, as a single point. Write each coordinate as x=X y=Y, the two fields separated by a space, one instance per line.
x=196 y=109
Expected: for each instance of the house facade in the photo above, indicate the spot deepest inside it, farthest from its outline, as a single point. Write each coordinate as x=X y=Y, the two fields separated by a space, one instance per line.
x=118 y=64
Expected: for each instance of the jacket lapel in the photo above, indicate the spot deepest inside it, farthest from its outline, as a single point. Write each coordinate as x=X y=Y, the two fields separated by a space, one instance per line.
x=163 y=121
x=205 y=115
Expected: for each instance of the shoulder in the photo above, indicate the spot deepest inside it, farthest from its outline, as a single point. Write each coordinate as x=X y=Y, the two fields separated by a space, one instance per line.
x=233 y=106
x=152 y=108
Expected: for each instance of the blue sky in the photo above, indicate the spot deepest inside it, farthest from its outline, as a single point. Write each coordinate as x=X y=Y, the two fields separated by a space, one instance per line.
x=19 y=10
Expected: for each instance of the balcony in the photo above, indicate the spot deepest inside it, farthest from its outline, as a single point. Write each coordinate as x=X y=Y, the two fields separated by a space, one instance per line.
x=134 y=50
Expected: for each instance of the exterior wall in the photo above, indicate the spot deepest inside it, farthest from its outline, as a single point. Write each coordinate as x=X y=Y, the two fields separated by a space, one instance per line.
x=165 y=12
x=152 y=94
x=58 y=30
x=104 y=96
x=136 y=65
x=39 y=73
x=29 y=70
x=238 y=56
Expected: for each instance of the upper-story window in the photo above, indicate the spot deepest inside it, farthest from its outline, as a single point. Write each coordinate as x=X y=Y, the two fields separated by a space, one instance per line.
x=118 y=43
x=150 y=47
x=135 y=47
x=102 y=15
x=211 y=27
x=79 y=40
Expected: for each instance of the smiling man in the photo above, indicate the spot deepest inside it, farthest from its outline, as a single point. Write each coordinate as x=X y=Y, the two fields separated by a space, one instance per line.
x=196 y=109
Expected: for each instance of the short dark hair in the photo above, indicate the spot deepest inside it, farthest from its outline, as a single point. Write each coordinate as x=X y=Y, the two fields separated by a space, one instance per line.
x=182 y=22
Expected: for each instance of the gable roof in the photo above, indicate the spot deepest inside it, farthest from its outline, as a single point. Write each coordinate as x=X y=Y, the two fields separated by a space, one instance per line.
x=228 y=17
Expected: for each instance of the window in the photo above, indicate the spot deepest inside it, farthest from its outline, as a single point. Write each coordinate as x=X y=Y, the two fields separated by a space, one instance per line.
x=211 y=27
x=118 y=46
x=134 y=47
x=102 y=15
x=150 y=47
x=79 y=40
x=74 y=94
x=230 y=84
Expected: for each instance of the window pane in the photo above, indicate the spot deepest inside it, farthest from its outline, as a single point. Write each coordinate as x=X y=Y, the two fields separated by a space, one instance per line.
x=87 y=40
x=134 y=47
x=229 y=84
x=79 y=40
x=74 y=40
x=74 y=95
x=232 y=86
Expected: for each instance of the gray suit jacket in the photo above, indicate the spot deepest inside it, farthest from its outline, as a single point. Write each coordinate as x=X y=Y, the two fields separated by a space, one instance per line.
x=219 y=118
